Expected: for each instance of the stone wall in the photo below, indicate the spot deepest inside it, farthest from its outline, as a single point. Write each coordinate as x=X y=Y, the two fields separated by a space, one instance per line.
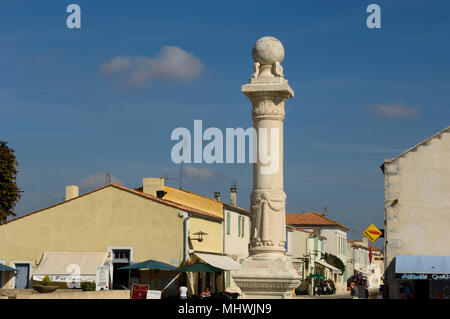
x=417 y=204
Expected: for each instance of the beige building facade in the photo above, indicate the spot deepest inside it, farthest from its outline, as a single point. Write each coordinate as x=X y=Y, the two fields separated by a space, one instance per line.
x=126 y=225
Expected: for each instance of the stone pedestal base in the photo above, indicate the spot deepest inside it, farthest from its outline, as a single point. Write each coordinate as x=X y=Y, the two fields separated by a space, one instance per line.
x=267 y=277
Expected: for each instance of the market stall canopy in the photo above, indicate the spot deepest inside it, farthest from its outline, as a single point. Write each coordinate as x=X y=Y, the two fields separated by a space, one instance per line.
x=357 y=276
x=65 y=266
x=219 y=261
x=150 y=264
x=327 y=265
x=422 y=264
x=199 y=267
x=362 y=271
x=6 y=268
x=318 y=276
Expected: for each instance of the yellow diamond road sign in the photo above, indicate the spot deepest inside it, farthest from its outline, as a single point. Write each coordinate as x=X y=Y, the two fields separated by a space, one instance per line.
x=372 y=233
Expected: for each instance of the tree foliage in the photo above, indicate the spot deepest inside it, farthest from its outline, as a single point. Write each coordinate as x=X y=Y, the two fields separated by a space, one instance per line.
x=9 y=191
x=336 y=262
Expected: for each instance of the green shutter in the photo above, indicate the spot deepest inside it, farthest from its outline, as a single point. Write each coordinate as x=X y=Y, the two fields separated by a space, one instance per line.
x=228 y=279
x=243 y=225
x=228 y=223
x=239 y=226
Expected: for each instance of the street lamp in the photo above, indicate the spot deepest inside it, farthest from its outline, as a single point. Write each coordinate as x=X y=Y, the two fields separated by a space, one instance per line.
x=199 y=235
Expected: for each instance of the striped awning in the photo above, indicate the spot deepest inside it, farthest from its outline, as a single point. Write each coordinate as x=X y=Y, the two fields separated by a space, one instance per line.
x=69 y=266
x=327 y=265
x=219 y=261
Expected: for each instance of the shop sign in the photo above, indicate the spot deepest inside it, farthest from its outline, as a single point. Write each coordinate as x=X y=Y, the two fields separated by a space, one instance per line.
x=423 y=276
x=102 y=278
x=154 y=294
x=139 y=291
x=372 y=233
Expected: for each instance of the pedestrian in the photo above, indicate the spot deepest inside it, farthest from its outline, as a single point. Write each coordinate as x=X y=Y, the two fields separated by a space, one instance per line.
x=183 y=291
x=354 y=291
x=329 y=290
x=408 y=292
x=206 y=293
x=361 y=290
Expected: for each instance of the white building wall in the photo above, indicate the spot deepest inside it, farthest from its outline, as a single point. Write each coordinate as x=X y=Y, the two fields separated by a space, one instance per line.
x=332 y=246
x=236 y=242
x=417 y=204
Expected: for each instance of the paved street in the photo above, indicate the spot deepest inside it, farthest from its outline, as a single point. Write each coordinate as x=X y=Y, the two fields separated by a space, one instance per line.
x=336 y=296
x=372 y=291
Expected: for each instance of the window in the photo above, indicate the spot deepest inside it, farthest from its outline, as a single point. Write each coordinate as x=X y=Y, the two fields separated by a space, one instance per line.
x=239 y=226
x=121 y=256
x=243 y=226
x=341 y=246
x=228 y=223
x=345 y=246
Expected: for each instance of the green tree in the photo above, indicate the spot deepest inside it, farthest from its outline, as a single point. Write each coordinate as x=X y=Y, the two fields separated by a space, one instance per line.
x=9 y=191
x=335 y=261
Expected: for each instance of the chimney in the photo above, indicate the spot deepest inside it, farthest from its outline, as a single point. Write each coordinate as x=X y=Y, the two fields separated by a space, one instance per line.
x=233 y=196
x=72 y=191
x=150 y=185
x=217 y=196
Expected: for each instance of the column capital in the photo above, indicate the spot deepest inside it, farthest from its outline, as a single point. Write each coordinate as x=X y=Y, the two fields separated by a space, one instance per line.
x=268 y=99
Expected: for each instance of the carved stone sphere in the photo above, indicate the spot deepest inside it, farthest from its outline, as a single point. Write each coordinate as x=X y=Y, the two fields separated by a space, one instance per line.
x=268 y=50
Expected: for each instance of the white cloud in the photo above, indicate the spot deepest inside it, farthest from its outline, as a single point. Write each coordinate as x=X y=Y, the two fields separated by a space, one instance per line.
x=198 y=173
x=393 y=111
x=96 y=180
x=170 y=63
x=117 y=64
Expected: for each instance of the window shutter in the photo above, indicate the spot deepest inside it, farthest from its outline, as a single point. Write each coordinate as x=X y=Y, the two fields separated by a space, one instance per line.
x=239 y=226
x=228 y=223
x=243 y=225
x=227 y=279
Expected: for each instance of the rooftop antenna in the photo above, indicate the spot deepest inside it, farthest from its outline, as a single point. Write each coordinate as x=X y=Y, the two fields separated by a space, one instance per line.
x=107 y=179
x=167 y=178
x=181 y=164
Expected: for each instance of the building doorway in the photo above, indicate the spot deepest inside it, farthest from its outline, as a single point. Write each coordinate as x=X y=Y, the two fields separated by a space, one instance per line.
x=22 y=276
x=421 y=289
x=121 y=277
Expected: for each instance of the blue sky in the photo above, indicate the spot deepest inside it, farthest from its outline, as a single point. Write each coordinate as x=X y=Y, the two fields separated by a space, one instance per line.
x=362 y=94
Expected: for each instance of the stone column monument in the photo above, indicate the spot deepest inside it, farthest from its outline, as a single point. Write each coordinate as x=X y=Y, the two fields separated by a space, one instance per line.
x=268 y=272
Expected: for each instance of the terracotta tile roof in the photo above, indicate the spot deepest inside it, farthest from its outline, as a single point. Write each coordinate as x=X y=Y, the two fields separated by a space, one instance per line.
x=242 y=210
x=356 y=243
x=168 y=202
x=304 y=231
x=375 y=248
x=148 y=196
x=312 y=219
x=309 y=232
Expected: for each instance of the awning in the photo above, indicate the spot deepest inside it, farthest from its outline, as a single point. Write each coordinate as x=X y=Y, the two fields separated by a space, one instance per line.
x=67 y=266
x=364 y=272
x=422 y=267
x=6 y=268
x=325 y=264
x=199 y=267
x=150 y=264
x=219 y=261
